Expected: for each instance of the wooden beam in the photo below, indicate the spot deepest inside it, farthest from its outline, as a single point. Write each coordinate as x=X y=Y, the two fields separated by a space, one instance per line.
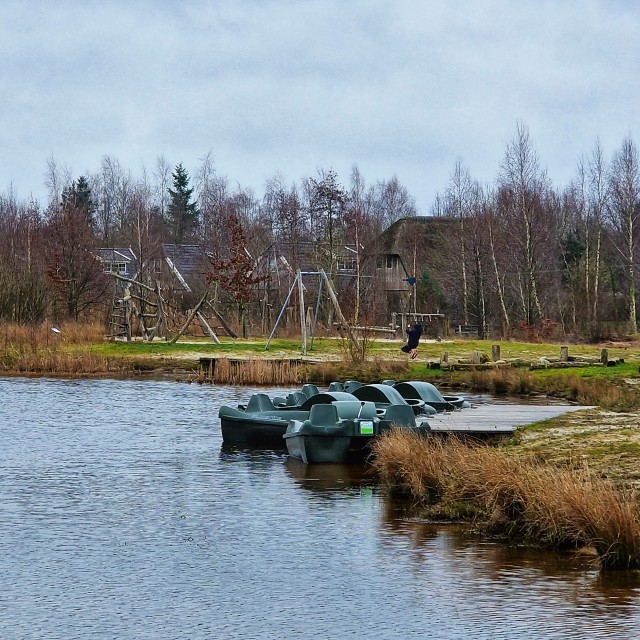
x=218 y=315
x=205 y=324
x=190 y=318
x=341 y=317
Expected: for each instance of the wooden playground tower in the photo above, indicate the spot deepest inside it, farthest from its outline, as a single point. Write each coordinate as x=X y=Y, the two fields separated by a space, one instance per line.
x=136 y=301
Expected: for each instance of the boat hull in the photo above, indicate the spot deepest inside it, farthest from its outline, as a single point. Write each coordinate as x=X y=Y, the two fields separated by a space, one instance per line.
x=254 y=431
x=260 y=423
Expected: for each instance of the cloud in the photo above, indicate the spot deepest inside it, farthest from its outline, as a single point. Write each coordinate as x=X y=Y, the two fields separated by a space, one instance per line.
x=403 y=88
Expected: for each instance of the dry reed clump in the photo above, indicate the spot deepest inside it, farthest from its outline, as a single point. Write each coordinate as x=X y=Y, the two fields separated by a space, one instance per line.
x=503 y=382
x=322 y=372
x=53 y=363
x=254 y=371
x=40 y=350
x=19 y=338
x=515 y=496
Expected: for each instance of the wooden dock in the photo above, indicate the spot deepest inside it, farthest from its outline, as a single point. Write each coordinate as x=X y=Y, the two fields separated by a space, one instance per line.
x=495 y=419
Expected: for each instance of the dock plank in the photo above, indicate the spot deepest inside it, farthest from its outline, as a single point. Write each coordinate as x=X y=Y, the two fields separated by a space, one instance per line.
x=496 y=418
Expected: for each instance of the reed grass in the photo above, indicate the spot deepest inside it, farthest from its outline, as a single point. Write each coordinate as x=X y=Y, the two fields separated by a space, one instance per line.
x=588 y=391
x=252 y=371
x=36 y=349
x=18 y=337
x=516 y=496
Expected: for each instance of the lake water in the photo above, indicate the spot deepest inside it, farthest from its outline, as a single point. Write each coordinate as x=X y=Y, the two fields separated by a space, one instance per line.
x=122 y=516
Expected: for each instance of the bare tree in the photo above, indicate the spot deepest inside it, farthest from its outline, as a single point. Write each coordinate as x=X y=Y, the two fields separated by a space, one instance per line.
x=624 y=184
x=361 y=229
x=57 y=179
x=495 y=230
x=326 y=205
x=23 y=289
x=112 y=189
x=597 y=200
x=73 y=268
x=524 y=186
x=394 y=201
x=160 y=188
x=460 y=200
x=214 y=199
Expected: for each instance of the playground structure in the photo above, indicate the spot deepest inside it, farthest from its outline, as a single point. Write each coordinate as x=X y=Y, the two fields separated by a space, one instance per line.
x=136 y=304
x=323 y=281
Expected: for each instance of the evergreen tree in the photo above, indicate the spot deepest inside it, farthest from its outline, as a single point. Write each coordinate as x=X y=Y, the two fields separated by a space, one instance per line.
x=182 y=212
x=78 y=196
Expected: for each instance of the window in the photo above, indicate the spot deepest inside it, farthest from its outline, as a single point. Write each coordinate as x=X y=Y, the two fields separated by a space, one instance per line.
x=346 y=264
x=115 y=267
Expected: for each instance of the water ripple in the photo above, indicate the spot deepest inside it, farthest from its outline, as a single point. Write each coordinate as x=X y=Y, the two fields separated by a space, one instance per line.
x=123 y=516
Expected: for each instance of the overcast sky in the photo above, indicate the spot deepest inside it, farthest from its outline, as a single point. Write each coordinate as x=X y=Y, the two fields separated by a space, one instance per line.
x=397 y=87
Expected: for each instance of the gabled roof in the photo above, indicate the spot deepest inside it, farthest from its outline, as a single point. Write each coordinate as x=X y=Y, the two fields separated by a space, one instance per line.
x=392 y=239
x=116 y=254
x=307 y=256
x=188 y=263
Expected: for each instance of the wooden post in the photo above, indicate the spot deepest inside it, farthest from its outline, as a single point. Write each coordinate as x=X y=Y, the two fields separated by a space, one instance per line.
x=341 y=317
x=316 y=314
x=223 y=322
x=127 y=312
x=303 y=323
x=495 y=352
x=604 y=356
x=444 y=358
x=564 y=354
x=284 y=306
x=477 y=357
x=207 y=328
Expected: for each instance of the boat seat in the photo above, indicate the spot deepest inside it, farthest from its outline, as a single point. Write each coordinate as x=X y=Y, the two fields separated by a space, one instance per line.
x=336 y=386
x=323 y=415
x=259 y=402
x=402 y=415
x=295 y=398
x=351 y=385
x=310 y=390
x=351 y=409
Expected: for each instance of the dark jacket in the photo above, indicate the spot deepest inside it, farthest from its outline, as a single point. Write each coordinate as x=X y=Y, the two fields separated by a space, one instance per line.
x=414 y=334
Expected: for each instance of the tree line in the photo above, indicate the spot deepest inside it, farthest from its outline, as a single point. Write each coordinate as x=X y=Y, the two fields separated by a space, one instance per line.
x=538 y=258
x=48 y=265
x=516 y=256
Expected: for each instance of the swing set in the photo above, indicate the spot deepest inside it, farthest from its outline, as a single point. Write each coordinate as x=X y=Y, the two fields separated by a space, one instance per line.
x=323 y=280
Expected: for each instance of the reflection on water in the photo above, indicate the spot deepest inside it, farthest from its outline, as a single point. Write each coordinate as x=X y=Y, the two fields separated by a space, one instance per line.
x=329 y=480
x=123 y=516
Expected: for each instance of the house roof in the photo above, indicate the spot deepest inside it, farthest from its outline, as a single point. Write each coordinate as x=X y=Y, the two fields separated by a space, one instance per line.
x=391 y=240
x=307 y=256
x=188 y=262
x=116 y=254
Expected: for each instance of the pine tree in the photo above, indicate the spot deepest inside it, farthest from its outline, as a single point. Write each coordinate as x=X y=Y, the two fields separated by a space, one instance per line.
x=182 y=212
x=78 y=196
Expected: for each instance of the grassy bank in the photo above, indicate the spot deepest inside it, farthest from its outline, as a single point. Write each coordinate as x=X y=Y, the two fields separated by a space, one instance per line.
x=514 y=496
x=82 y=350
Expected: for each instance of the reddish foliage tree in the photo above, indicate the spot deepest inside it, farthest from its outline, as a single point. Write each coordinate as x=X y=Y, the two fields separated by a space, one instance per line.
x=235 y=274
